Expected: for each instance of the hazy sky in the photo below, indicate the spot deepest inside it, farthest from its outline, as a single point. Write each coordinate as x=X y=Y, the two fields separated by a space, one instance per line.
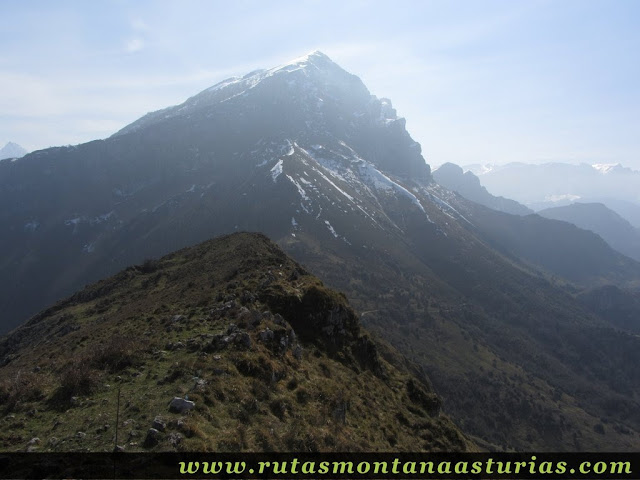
x=478 y=81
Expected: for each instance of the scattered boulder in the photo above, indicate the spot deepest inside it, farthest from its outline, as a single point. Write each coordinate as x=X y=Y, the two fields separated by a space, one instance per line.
x=159 y=424
x=200 y=384
x=232 y=328
x=256 y=318
x=228 y=305
x=152 y=438
x=266 y=335
x=244 y=314
x=247 y=297
x=180 y=405
x=243 y=339
x=102 y=429
x=181 y=424
x=193 y=345
x=215 y=344
x=234 y=336
x=174 y=439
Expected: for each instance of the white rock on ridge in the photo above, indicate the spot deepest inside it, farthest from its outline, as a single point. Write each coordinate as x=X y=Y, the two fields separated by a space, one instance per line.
x=181 y=405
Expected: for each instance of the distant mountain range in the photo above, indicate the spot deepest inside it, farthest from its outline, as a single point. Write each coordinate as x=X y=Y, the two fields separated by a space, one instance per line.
x=557 y=184
x=484 y=301
x=12 y=150
x=468 y=185
x=595 y=217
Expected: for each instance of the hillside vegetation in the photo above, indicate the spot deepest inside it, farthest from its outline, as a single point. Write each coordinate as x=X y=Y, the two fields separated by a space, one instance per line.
x=270 y=358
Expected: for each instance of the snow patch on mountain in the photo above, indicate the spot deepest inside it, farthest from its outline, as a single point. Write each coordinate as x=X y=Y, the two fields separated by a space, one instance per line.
x=276 y=170
x=240 y=86
x=331 y=229
x=328 y=180
x=436 y=193
x=562 y=198
x=73 y=222
x=266 y=151
x=31 y=226
x=605 y=168
x=381 y=182
x=365 y=170
x=301 y=190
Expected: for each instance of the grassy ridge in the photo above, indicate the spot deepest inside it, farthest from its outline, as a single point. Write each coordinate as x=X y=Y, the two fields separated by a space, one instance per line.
x=271 y=358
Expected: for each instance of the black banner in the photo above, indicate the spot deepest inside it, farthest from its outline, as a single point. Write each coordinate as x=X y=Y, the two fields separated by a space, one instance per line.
x=320 y=465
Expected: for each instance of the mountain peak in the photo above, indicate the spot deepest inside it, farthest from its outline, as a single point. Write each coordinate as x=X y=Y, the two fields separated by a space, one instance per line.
x=314 y=56
x=605 y=167
x=12 y=150
x=309 y=101
x=317 y=53
x=313 y=60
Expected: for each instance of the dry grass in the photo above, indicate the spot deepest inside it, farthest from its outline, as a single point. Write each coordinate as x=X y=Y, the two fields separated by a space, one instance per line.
x=20 y=387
